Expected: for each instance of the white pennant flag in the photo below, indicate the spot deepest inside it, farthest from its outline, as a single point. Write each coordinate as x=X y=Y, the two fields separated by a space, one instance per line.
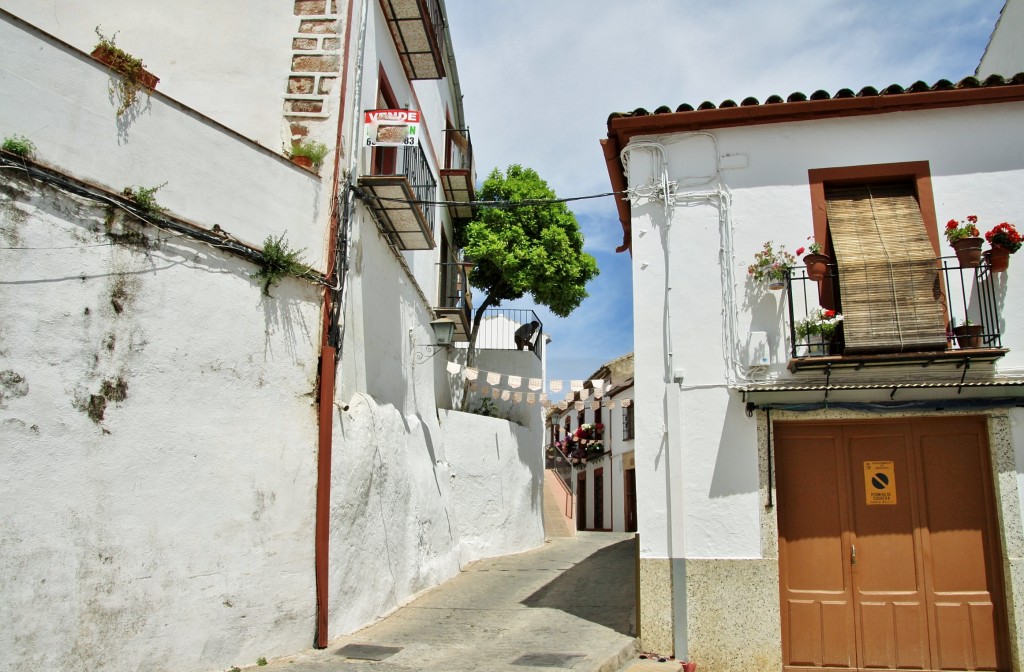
x=531 y=398
x=627 y=402
x=597 y=384
x=584 y=394
x=495 y=393
x=611 y=403
x=562 y=405
x=517 y=397
x=535 y=384
x=595 y=405
x=579 y=405
x=515 y=381
x=505 y=394
x=471 y=374
x=454 y=367
x=575 y=385
x=543 y=396
x=493 y=378
x=555 y=385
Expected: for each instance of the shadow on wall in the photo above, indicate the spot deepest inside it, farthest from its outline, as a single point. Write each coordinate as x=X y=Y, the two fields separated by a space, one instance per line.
x=736 y=466
x=601 y=589
x=532 y=455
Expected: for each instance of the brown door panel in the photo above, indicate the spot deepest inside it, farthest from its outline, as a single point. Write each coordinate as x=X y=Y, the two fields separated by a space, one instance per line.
x=889 y=553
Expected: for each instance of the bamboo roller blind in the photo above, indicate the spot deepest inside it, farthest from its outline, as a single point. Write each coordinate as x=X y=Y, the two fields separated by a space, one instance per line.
x=888 y=279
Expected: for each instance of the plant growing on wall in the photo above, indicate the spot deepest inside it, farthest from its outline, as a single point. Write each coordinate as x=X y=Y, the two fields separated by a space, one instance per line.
x=133 y=74
x=144 y=198
x=19 y=145
x=278 y=261
x=524 y=244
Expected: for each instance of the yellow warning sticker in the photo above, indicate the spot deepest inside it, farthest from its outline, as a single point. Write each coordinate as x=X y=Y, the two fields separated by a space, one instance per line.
x=879 y=483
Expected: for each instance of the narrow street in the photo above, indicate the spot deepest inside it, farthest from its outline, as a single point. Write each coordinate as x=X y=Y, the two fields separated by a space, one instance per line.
x=566 y=605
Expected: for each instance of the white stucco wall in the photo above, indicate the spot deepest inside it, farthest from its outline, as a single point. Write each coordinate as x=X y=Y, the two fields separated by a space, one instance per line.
x=497 y=476
x=212 y=176
x=1005 y=52
x=974 y=170
x=229 y=62
x=177 y=526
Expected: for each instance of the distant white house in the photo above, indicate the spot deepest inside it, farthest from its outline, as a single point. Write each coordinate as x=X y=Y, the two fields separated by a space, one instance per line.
x=594 y=434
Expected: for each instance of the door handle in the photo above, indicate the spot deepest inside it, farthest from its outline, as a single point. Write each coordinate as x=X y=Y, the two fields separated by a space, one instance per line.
x=853 y=554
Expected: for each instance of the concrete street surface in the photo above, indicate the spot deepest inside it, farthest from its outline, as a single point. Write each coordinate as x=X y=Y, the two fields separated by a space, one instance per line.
x=568 y=605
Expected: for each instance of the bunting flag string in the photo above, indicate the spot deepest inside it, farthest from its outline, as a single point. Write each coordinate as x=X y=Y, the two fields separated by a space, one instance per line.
x=580 y=394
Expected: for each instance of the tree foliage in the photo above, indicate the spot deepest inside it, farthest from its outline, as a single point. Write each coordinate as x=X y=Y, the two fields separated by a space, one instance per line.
x=526 y=249
x=521 y=248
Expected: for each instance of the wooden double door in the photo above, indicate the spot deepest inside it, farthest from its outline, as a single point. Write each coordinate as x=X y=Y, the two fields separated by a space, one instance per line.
x=889 y=553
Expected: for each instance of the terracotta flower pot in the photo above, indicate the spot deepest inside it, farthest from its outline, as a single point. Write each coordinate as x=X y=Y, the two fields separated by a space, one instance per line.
x=968 y=251
x=303 y=161
x=817 y=266
x=998 y=258
x=968 y=335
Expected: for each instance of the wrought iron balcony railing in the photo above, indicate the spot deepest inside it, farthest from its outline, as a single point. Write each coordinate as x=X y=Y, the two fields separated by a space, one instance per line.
x=499 y=325
x=968 y=295
x=455 y=299
x=402 y=192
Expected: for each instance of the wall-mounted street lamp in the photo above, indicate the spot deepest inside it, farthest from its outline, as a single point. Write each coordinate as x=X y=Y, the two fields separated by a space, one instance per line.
x=444 y=336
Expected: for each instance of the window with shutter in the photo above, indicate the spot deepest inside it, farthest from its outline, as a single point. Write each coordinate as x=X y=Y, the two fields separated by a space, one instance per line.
x=889 y=284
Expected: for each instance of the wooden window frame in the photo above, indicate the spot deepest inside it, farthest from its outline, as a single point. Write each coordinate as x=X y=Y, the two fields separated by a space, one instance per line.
x=917 y=172
x=628 y=424
x=384 y=160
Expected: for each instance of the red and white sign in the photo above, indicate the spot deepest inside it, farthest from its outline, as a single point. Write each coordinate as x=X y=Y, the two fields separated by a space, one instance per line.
x=392 y=128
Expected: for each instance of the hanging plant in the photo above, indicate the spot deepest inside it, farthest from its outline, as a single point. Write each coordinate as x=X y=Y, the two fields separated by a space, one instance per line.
x=133 y=74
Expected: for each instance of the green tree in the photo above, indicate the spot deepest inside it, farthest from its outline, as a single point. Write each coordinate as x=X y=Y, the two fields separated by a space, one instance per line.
x=525 y=244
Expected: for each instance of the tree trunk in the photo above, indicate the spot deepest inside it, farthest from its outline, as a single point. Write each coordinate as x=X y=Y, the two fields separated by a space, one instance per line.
x=471 y=349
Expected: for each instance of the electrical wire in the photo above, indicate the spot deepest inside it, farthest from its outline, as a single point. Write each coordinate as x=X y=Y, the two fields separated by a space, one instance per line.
x=176 y=228
x=526 y=203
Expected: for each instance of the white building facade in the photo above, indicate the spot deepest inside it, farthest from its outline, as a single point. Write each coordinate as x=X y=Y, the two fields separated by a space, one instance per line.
x=179 y=442
x=763 y=543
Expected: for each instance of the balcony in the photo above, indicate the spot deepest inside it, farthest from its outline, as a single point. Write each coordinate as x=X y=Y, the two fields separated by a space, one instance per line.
x=498 y=328
x=457 y=176
x=401 y=195
x=961 y=294
x=417 y=27
x=455 y=299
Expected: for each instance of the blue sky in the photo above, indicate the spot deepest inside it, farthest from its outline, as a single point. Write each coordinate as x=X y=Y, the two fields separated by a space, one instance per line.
x=540 y=78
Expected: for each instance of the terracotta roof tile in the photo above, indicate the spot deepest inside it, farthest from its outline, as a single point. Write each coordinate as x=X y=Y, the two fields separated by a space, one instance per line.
x=821 y=94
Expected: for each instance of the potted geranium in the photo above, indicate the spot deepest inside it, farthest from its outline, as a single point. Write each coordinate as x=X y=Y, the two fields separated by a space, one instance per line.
x=1004 y=240
x=964 y=238
x=772 y=265
x=817 y=330
x=816 y=262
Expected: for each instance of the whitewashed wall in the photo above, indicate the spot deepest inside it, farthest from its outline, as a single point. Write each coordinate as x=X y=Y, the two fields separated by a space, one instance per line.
x=497 y=476
x=177 y=526
x=215 y=57
x=212 y=175
x=974 y=169
x=1005 y=53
